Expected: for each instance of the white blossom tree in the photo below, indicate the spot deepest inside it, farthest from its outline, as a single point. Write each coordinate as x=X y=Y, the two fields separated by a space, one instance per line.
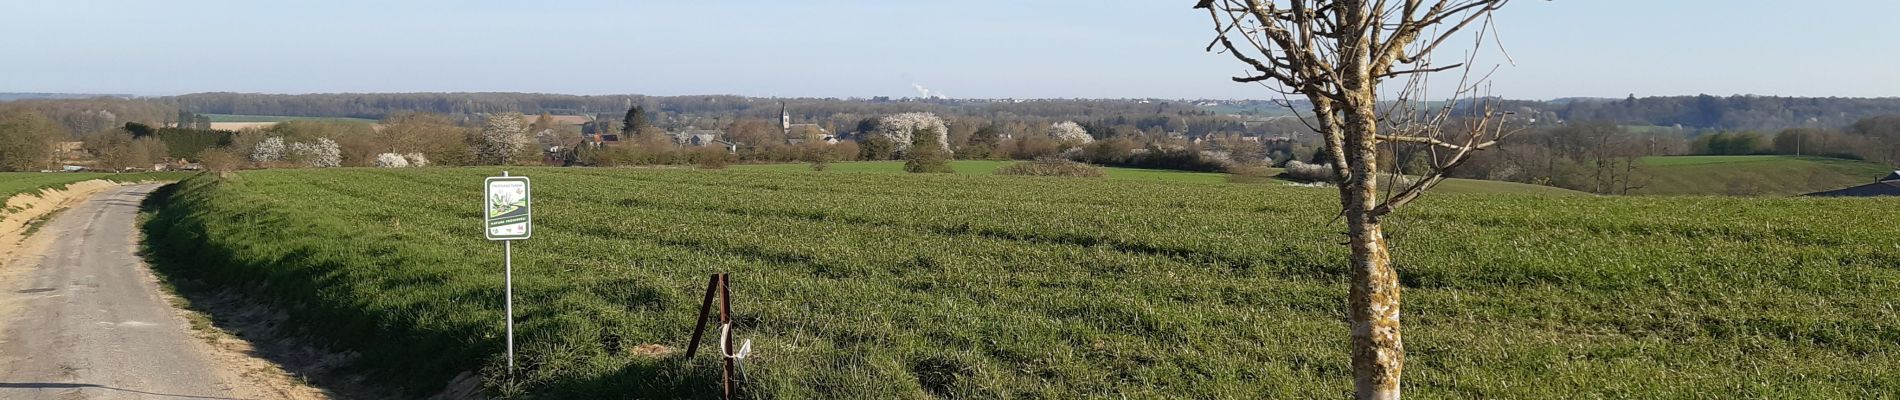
x=391 y=160
x=416 y=160
x=1069 y=132
x=503 y=138
x=325 y=153
x=271 y=149
x=902 y=128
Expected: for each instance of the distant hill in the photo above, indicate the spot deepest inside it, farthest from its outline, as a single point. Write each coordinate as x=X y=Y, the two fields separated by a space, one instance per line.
x=1754 y=175
x=1757 y=113
x=57 y=96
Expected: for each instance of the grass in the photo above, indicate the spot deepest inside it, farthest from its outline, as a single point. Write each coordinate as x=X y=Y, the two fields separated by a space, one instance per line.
x=1765 y=175
x=869 y=285
x=16 y=183
x=277 y=118
x=979 y=167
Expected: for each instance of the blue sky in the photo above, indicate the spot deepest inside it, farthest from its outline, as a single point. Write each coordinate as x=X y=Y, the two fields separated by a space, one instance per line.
x=834 y=48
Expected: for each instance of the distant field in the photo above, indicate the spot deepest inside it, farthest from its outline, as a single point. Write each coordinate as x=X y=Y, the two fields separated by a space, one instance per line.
x=972 y=167
x=884 y=285
x=1754 y=175
x=215 y=118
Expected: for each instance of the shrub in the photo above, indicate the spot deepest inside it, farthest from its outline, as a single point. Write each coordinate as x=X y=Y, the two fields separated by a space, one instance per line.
x=218 y=161
x=1051 y=167
x=1250 y=174
x=1176 y=158
x=903 y=130
x=711 y=158
x=1070 y=134
x=924 y=157
x=391 y=160
x=270 y=150
x=876 y=148
x=1117 y=151
x=324 y=153
x=1304 y=172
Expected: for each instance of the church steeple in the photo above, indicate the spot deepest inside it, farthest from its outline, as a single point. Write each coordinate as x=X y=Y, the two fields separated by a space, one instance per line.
x=784 y=120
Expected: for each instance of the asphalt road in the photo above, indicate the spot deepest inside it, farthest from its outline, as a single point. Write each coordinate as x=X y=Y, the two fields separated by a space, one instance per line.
x=81 y=317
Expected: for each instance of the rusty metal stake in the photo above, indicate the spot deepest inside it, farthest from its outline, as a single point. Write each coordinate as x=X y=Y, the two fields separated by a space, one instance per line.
x=718 y=284
x=705 y=307
x=725 y=320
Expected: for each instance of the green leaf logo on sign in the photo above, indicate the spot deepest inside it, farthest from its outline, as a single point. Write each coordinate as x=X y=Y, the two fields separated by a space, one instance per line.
x=507 y=210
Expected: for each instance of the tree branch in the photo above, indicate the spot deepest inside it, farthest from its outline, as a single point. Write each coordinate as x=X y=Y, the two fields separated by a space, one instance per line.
x=1436 y=142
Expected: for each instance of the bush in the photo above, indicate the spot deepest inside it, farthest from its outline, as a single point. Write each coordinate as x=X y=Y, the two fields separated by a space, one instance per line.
x=1176 y=158
x=711 y=158
x=1051 y=167
x=1250 y=174
x=1117 y=151
x=391 y=160
x=218 y=160
x=876 y=148
x=925 y=156
x=1304 y=172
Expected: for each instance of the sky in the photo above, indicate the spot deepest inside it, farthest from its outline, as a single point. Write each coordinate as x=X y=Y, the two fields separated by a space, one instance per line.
x=835 y=48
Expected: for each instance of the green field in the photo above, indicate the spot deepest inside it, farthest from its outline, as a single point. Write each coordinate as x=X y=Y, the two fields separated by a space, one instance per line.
x=864 y=285
x=971 y=167
x=1754 y=175
x=277 y=118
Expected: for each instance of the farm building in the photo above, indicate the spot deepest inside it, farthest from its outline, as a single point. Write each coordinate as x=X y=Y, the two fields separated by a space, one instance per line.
x=1886 y=186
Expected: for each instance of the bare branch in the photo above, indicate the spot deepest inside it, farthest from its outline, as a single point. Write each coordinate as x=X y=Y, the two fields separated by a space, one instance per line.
x=1436 y=142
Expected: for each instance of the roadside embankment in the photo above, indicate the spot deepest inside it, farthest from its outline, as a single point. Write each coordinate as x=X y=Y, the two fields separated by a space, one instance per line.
x=24 y=211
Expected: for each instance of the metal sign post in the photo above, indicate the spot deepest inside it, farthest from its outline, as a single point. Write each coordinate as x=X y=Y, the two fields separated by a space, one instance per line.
x=508 y=216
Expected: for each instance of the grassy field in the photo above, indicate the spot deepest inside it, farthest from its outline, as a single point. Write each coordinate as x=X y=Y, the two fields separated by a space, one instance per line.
x=863 y=285
x=971 y=167
x=1754 y=175
x=217 y=118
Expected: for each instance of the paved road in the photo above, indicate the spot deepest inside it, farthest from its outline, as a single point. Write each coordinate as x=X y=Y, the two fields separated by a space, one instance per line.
x=81 y=317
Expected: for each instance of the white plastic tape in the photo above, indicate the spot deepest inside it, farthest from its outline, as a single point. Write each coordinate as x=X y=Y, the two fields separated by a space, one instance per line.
x=725 y=335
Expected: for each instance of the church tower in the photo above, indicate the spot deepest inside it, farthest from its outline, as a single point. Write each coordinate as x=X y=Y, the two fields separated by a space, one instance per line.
x=784 y=120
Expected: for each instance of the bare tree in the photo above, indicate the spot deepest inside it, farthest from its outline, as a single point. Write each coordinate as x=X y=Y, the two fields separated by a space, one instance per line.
x=1338 y=54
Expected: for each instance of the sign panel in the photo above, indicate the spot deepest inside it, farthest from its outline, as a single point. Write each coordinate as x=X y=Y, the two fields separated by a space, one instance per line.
x=507 y=208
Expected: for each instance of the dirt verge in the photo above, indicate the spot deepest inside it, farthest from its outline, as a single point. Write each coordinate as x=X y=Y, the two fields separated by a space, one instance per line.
x=25 y=209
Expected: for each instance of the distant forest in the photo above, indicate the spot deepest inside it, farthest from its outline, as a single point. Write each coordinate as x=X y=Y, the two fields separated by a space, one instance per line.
x=1733 y=113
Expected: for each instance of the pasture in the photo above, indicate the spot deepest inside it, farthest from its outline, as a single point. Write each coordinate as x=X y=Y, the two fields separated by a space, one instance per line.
x=884 y=285
x=1763 y=175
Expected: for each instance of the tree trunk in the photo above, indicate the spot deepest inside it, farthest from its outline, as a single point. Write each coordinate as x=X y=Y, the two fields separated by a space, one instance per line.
x=1378 y=356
